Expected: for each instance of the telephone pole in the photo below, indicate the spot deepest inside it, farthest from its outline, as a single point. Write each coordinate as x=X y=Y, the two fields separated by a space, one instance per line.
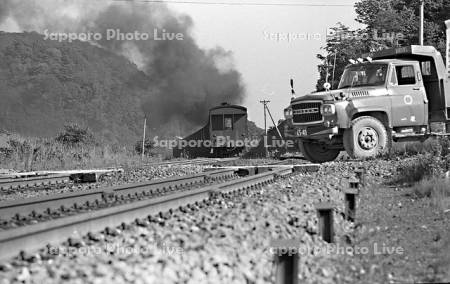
x=421 y=22
x=265 y=102
x=143 y=138
x=334 y=68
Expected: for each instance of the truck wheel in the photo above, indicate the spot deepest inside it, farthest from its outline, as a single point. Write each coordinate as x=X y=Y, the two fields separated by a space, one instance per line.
x=367 y=138
x=317 y=153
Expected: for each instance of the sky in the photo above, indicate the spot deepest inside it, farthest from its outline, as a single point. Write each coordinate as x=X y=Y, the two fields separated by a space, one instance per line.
x=266 y=63
x=269 y=43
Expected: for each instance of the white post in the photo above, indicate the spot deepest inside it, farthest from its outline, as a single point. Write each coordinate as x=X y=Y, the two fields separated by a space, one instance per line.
x=143 y=138
x=421 y=22
x=447 y=53
x=265 y=102
x=334 y=68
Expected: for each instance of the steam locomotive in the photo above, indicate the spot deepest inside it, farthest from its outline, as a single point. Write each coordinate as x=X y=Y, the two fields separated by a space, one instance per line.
x=224 y=135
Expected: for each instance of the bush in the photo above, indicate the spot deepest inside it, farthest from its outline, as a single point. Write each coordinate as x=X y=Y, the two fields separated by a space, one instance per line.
x=421 y=167
x=148 y=146
x=431 y=159
x=438 y=146
x=28 y=153
x=438 y=189
x=74 y=135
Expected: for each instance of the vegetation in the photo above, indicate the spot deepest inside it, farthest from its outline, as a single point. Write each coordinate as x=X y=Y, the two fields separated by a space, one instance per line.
x=254 y=130
x=148 y=147
x=427 y=170
x=382 y=16
x=46 y=84
x=75 y=135
x=72 y=148
x=437 y=189
x=428 y=160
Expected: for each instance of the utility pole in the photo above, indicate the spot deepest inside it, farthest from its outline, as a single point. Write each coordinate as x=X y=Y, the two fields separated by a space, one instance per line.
x=421 y=22
x=447 y=53
x=143 y=138
x=265 y=102
x=334 y=68
x=276 y=127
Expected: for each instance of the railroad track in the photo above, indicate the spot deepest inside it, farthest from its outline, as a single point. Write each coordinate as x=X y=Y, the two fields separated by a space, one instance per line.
x=130 y=207
x=31 y=208
x=33 y=182
x=189 y=162
x=46 y=179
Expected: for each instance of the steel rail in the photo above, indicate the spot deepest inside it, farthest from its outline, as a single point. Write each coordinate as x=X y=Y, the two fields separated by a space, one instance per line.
x=25 y=207
x=33 y=237
x=49 y=178
x=187 y=162
x=14 y=183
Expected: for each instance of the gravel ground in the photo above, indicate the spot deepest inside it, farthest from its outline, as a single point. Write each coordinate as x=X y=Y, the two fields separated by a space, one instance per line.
x=408 y=238
x=228 y=239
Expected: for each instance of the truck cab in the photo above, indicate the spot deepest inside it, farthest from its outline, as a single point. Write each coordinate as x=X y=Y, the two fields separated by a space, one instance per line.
x=391 y=95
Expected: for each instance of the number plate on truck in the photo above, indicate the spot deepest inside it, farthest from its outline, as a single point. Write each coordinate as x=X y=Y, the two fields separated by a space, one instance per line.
x=302 y=132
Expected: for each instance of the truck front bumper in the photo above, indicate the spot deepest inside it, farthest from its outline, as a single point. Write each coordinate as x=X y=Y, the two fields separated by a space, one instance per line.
x=311 y=132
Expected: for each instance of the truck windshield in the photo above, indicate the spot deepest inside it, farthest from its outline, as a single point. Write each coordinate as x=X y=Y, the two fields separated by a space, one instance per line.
x=364 y=75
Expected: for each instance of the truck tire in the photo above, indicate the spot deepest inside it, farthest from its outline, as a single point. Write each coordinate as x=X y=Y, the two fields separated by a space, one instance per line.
x=366 y=138
x=317 y=153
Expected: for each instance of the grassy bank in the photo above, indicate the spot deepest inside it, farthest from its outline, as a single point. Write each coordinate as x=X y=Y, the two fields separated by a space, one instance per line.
x=75 y=147
x=427 y=171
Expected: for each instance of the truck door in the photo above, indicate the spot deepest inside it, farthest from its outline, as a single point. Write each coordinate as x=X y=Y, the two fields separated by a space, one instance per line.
x=408 y=98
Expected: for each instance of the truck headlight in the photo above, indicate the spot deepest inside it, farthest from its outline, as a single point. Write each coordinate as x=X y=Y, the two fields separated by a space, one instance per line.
x=288 y=113
x=328 y=109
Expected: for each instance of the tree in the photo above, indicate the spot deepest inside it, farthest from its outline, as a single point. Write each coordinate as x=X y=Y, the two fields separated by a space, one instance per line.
x=388 y=17
x=403 y=16
x=74 y=135
x=347 y=44
x=148 y=146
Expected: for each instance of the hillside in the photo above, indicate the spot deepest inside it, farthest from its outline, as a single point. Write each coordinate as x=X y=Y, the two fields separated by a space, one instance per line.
x=45 y=84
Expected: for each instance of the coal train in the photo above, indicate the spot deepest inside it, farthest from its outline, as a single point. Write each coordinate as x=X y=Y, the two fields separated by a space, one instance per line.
x=224 y=135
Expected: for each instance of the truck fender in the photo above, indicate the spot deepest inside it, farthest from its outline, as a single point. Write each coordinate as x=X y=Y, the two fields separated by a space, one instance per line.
x=380 y=113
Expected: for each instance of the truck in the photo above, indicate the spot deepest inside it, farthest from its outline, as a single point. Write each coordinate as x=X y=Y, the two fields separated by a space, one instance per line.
x=397 y=94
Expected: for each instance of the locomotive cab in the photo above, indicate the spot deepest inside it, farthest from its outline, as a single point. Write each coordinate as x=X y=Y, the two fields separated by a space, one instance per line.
x=228 y=128
x=224 y=135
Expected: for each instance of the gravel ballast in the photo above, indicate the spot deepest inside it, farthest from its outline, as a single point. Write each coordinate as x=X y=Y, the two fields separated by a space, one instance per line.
x=227 y=240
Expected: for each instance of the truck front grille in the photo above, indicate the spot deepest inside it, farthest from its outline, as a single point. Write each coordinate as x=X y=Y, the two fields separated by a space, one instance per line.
x=307 y=112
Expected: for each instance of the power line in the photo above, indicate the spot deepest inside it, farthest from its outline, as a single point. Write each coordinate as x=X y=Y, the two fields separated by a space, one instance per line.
x=237 y=4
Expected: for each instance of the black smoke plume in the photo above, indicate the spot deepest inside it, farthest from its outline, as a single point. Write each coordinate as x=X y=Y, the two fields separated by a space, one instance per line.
x=184 y=79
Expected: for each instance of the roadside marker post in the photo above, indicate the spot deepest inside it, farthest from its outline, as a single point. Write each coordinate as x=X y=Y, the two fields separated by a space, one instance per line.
x=325 y=216
x=350 y=204
x=286 y=261
x=354 y=183
x=360 y=174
